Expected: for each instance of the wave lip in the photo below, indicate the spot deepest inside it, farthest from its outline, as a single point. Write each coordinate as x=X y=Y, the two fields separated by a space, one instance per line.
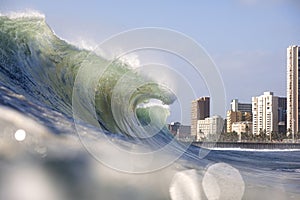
x=25 y=14
x=43 y=67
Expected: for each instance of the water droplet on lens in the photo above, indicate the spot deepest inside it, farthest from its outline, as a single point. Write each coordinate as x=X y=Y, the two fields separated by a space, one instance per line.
x=20 y=135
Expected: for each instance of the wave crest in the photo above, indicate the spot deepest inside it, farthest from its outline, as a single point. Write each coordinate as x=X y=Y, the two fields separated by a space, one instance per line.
x=43 y=68
x=25 y=14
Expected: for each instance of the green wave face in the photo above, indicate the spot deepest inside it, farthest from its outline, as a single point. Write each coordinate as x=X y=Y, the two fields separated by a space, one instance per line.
x=42 y=67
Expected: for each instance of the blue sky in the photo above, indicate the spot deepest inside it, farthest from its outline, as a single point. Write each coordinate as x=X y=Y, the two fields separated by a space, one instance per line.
x=247 y=39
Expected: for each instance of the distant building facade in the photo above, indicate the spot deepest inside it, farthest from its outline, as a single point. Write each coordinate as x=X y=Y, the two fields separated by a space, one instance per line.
x=265 y=113
x=239 y=112
x=232 y=116
x=200 y=110
x=282 y=118
x=242 y=107
x=181 y=132
x=242 y=127
x=293 y=83
x=209 y=126
x=247 y=116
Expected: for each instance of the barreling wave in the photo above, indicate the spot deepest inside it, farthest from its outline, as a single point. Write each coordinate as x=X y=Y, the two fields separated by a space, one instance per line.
x=38 y=64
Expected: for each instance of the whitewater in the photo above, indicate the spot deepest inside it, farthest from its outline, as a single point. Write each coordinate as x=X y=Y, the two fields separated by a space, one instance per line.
x=89 y=148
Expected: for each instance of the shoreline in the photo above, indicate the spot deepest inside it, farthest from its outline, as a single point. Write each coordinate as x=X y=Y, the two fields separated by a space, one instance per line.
x=253 y=150
x=247 y=145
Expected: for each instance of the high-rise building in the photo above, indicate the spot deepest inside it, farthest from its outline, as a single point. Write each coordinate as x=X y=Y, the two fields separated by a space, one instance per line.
x=242 y=107
x=293 y=83
x=200 y=111
x=265 y=113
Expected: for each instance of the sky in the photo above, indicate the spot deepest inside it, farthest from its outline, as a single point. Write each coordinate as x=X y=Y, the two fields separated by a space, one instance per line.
x=246 y=39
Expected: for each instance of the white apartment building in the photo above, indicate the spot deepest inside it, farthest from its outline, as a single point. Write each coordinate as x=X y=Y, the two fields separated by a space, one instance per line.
x=293 y=83
x=209 y=126
x=242 y=127
x=265 y=113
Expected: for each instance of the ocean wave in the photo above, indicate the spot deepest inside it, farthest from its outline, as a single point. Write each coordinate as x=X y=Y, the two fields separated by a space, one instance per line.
x=43 y=67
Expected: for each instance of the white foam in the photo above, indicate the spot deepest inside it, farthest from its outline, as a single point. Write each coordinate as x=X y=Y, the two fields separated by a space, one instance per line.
x=82 y=43
x=24 y=14
x=152 y=103
x=131 y=60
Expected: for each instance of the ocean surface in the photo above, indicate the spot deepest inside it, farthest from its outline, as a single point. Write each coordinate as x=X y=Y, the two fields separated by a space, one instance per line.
x=62 y=137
